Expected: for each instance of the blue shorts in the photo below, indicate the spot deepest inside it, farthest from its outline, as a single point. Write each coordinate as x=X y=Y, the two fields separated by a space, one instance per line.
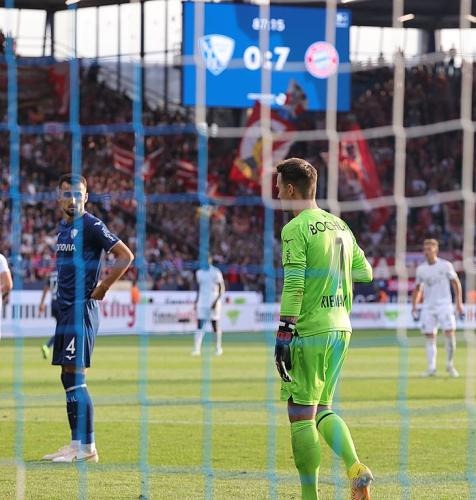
x=74 y=341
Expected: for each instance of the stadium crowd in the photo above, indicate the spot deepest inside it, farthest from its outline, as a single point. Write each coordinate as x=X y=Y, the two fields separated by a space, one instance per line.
x=433 y=165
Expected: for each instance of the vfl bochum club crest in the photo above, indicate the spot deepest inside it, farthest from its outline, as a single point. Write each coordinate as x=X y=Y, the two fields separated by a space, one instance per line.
x=216 y=51
x=74 y=232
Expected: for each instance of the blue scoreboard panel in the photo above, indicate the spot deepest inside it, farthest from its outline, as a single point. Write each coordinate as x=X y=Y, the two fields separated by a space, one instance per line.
x=229 y=48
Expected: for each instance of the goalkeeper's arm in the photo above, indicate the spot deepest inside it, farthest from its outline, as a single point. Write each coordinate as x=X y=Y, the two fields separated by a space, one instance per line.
x=361 y=268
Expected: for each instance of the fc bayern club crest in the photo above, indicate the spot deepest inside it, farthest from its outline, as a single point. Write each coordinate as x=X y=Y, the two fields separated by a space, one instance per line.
x=321 y=59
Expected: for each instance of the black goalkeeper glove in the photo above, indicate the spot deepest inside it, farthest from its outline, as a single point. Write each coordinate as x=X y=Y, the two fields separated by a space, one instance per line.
x=282 y=350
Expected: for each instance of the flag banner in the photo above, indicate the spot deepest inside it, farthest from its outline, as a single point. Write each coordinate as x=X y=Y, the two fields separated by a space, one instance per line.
x=247 y=167
x=123 y=159
x=357 y=165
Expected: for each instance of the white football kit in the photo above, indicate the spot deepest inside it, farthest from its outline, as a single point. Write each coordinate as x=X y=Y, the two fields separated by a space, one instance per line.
x=437 y=310
x=209 y=281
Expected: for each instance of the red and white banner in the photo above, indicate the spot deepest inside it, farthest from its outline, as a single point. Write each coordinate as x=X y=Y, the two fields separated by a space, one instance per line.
x=248 y=166
x=124 y=160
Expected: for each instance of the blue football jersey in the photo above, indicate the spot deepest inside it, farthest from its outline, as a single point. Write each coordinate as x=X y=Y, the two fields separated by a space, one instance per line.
x=96 y=239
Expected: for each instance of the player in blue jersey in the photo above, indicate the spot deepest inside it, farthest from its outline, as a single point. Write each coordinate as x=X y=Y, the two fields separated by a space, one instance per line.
x=82 y=240
x=51 y=286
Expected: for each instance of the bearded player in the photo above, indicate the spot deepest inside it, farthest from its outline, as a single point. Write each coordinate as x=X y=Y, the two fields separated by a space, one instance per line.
x=82 y=240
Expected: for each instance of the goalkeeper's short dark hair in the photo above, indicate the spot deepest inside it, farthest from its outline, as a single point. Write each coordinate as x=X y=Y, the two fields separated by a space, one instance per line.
x=301 y=174
x=73 y=179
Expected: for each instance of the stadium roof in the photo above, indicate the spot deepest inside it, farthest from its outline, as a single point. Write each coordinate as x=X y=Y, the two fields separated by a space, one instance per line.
x=429 y=14
x=59 y=4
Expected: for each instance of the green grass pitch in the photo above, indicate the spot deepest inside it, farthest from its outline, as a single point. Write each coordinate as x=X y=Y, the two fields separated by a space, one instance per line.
x=170 y=426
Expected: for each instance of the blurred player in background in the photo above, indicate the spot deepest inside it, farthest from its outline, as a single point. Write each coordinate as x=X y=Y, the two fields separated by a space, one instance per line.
x=51 y=286
x=321 y=259
x=434 y=279
x=6 y=282
x=211 y=288
x=78 y=317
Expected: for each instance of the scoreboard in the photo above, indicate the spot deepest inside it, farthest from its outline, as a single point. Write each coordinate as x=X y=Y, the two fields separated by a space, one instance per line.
x=229 y=48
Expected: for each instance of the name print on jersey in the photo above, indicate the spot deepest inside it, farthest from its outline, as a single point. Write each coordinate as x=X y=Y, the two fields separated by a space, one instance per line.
x=320 y=227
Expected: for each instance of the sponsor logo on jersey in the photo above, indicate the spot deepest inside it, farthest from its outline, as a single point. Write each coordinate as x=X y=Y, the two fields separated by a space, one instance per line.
x=216 y=51
x=65 y=247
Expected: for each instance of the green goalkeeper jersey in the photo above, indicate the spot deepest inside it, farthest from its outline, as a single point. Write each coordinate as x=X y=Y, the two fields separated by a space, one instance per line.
x=321 y=259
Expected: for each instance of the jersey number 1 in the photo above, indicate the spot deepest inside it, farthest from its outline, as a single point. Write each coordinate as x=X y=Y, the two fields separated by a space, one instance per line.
x=338 y=264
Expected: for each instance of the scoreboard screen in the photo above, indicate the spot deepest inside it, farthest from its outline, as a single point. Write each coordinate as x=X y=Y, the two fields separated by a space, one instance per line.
x=229 y=48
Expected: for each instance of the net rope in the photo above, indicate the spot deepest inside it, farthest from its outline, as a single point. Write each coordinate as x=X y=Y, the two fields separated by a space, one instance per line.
x=330 y=133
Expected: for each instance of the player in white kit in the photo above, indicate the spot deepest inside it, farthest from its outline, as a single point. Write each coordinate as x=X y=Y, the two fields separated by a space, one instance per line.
x=435 y=278
x=6 y=283
x=211 y=288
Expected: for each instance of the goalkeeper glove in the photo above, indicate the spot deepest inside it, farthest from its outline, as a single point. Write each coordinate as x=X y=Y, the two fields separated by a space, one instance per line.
x=282 y=351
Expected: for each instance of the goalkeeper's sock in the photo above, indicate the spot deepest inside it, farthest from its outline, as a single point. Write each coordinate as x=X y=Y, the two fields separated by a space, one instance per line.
x=337 y=435
x=307 y=456
x=198 y=338
x=431 y=353
x=450 y=343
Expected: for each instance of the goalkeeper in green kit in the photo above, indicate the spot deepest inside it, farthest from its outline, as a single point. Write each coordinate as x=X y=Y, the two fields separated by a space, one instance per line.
x=321 y=259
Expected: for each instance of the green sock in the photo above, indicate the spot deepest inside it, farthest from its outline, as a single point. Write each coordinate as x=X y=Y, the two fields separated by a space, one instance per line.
x=337 y=436
x=307 y=456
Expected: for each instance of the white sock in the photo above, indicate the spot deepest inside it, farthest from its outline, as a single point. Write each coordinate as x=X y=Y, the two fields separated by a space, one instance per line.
x=431 y=353
x=75 y=443
x=198 y=338
x=450 y=349
x=218 y=335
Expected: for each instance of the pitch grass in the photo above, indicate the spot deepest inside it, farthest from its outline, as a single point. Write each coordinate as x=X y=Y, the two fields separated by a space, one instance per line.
x=170 y=426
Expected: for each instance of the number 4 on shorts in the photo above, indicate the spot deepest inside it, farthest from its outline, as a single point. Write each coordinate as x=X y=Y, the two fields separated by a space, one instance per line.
x=71 y=347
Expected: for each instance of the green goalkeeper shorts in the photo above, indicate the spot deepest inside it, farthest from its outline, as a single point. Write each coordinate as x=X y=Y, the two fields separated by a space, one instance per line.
x=316 y=365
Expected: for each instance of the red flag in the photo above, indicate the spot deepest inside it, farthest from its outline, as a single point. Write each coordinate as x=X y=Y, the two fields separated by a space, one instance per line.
x=247 y=167
x=356 y=159
x=59 y=78
x=151 y=163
